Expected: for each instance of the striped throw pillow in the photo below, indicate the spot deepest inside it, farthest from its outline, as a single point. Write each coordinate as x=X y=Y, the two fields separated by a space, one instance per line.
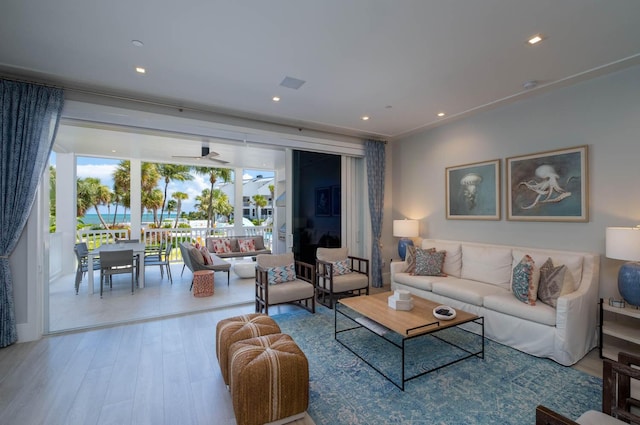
x=282 y=274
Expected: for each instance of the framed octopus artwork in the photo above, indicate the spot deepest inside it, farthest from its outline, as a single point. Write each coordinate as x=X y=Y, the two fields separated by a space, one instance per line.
x=549 y=186
x=473 y=191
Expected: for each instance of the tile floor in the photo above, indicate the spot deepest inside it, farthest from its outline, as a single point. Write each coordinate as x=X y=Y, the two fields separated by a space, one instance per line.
x=159 y=298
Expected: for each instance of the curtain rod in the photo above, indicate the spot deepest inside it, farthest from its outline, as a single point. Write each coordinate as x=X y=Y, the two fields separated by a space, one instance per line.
x=37 y=83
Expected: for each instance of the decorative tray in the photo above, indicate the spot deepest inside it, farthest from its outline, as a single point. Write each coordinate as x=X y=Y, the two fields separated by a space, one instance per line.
x=444 y=312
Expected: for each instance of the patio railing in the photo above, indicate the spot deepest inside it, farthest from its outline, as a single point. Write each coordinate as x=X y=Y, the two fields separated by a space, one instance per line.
x=152 y=237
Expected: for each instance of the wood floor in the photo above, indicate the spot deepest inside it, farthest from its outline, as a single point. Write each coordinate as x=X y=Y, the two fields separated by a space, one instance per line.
x=161 y=371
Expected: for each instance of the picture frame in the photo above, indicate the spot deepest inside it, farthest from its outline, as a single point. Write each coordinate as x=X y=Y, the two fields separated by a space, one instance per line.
x=472 y=191
x=323 y=202
x=549 y=186
x=336 y=200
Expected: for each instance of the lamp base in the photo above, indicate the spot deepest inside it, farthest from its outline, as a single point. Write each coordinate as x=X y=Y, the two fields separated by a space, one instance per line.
x=629 y=283
x=402 y=247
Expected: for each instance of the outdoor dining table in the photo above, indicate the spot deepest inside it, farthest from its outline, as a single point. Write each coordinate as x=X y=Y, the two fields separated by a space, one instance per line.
x=138 y=249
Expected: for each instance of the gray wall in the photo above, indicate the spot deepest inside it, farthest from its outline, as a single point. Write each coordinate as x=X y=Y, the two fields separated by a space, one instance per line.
x=603 y=113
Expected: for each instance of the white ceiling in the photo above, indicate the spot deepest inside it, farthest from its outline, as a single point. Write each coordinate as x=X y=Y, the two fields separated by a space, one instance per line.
x=399 y=62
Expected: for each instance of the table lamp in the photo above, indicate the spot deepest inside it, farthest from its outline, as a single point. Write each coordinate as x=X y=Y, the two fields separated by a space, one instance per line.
x=623 y=243
x=405 y=229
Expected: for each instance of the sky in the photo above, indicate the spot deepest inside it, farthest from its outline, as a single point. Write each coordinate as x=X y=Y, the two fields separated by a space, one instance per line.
x=103 y=170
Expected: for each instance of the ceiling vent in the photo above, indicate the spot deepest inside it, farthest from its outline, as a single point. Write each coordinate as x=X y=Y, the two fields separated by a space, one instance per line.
x=292 y=83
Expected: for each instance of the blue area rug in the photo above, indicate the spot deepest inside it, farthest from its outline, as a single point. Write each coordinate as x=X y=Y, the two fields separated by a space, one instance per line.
x=503 y=388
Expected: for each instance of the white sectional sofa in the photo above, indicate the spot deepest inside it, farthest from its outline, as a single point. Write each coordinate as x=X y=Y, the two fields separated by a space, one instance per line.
x=479 y=281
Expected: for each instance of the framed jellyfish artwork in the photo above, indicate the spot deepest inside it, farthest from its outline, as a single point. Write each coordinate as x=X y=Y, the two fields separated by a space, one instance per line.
x=473 y=191
x=549 y=186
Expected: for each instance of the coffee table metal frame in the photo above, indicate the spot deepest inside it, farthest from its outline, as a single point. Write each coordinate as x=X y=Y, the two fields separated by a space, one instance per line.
x=430 y=328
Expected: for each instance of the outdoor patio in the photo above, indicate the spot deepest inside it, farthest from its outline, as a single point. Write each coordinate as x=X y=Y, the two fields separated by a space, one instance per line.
x=159 y=298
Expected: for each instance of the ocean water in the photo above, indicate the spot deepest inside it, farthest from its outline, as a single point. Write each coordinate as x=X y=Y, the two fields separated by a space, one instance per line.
x=122 y=218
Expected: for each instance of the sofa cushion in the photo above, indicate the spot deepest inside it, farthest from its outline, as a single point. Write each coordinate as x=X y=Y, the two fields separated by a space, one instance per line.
x=331 y=254
x=468 y=291
x=452 y=261
x=346 y=282
x=554 y=282
x=524 y=281
x=429 y=262
x=268 y=260
x=196 y=255
x=258 y=242
x=506 y=303
x=420 y=282
x=490 y=264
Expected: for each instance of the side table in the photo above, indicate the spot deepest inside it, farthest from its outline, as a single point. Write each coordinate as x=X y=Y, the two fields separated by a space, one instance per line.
x=203 y=283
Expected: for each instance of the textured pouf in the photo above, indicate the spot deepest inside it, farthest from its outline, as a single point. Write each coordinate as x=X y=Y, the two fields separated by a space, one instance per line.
x=245 y=269
x=236 y=329
x=269 y=379
x=203 y=283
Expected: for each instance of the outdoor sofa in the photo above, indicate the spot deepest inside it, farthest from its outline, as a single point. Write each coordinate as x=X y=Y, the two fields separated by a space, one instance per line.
x=236 y=246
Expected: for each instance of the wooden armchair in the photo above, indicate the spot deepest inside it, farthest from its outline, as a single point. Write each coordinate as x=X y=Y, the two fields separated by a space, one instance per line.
x=331 y=284
x=617 y=402
x=275 y=286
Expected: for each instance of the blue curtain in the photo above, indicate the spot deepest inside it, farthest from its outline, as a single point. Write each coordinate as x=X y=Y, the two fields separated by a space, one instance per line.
x=29 y=117
x=375 y=155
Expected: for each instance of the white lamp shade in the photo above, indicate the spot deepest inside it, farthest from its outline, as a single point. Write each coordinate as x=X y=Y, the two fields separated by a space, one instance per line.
x=406 y=228
x=623 y=243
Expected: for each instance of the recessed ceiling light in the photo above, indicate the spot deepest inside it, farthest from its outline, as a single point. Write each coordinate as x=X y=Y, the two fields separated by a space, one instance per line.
x=113 y=151
x=141 y=70
x=441 y=114
x=535 y=39
x=275 y=99
x=365 y=118
x=137 y=43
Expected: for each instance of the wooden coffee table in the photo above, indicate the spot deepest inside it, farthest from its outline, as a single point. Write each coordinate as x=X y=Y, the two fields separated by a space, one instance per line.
x=373 y=313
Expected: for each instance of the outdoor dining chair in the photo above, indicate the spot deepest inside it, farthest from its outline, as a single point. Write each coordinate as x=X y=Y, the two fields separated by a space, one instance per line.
x=82 y=251
x=158 y=260
x=116 y=262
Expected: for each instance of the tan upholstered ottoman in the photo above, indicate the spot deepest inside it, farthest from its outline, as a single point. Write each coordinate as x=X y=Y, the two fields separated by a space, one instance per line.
x=269 y=379
x=236 y=329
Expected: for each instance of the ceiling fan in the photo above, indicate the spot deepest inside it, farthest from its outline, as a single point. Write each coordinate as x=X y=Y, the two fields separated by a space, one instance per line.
x=206 y=154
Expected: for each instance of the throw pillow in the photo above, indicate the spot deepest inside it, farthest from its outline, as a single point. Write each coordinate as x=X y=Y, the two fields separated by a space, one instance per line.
x=206 y=255
x=341 y=267
x=247 y=245
x=410 y=259
x=523 y=284
x=276 y=275
x=554 y=282
x=222 y=246
x=429 y=262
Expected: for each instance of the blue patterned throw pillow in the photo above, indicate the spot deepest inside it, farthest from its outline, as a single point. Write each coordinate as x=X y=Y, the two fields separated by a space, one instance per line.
x=429 y=262
x=281 y=274
x=522 y=284
x=341 y=267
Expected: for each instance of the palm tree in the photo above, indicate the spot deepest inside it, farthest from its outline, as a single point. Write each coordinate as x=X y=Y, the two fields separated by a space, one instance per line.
x=153 y=201
x=214 y=174
x=179 y=197
x=91 y=192
x=122 y=181
x=260 y=201
x=172 y=172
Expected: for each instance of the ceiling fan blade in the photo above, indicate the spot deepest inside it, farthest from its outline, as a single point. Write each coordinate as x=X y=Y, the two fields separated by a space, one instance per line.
x=220 y=161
